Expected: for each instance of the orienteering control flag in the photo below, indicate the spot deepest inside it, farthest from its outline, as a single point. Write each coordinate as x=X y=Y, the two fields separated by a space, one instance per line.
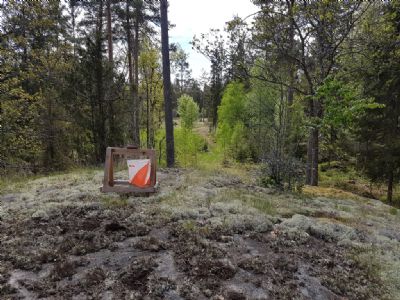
x=139 y=172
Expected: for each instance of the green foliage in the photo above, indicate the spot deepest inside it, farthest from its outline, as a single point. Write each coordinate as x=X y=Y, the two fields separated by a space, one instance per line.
x=151 y=87
x=239 y=142
x=378 y=131
x=189 y=148
x=33 y=130
x=188 y=111
x=188 y=145
x=160 y=146
x=233 y=105
x=343 y=104
x=232 y=114
x=261 y=107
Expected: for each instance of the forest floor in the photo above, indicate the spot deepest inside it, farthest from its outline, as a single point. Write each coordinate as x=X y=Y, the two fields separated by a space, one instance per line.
x=203 y=235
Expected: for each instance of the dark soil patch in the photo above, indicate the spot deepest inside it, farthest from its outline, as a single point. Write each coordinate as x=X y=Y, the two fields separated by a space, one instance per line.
x=121 y=253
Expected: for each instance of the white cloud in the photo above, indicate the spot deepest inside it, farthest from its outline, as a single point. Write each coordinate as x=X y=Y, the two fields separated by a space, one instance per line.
x=193 y=17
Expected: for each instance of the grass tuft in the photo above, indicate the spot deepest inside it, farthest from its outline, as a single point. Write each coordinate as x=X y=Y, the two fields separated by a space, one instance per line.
x=329 y=192
x=112 y=202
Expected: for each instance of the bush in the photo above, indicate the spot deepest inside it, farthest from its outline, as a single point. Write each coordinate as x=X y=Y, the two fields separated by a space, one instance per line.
x=239 y=144
x=283 y=171
x=188 y=145
x=188 y=111
x=231 y=132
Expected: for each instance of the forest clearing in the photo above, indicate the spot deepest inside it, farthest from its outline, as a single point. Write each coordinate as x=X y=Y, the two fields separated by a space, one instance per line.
x=182 y=149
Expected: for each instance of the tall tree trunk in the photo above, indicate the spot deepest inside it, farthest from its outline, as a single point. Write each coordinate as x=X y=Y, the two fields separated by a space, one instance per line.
x=129 y=42
x=148 y=115
x=109 y=33
x=130 y=67
x=290 y=92
x=110 y=90
x=151 y=110
x=169 y=125
x=390 y=187
x=101 y=128
x=292 y=69
x=73 y=21
x=136 y=100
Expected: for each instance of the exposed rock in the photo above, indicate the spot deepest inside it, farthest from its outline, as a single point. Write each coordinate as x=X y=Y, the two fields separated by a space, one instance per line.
x=311 y=288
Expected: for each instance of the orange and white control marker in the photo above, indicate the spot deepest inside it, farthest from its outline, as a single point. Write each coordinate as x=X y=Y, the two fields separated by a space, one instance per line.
x=139 y=172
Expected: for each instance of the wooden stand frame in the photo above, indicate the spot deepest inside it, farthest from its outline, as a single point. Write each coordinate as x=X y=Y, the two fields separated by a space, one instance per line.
x=123 y=186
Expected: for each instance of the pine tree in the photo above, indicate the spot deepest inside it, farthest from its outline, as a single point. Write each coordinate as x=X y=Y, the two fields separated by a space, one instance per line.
x=169 y=126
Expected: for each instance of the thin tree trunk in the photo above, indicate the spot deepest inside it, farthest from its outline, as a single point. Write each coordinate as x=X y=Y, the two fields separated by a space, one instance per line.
x=148 y=115
x=72 y=6
x=292 y=70
x=309 y=160
x=169 y=126
x=101 y=129
x=309 y=164
x=315 y=154
x=110 y=91
x=130 y=66
x=136 y=100
x=129 y=42
x=151 y=110
x=390 y=187
x=152 y=144
x=313 y=144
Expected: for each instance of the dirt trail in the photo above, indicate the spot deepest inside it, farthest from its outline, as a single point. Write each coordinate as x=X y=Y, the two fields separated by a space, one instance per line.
x=201 y=237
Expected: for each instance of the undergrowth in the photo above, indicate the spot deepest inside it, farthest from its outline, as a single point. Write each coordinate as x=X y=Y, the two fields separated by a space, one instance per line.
x=335 y=177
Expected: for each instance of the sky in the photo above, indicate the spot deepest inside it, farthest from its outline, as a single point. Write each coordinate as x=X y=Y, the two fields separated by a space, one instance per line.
x=193 y=17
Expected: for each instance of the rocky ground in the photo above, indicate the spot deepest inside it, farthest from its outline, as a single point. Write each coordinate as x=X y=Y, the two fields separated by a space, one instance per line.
x=204 y=235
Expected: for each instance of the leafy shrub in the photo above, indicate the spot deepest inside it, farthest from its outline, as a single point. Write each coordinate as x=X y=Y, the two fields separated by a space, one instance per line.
x=188 y=111
x=283 y=171
x=187 y=146
x=239 y=144
x=232 y=114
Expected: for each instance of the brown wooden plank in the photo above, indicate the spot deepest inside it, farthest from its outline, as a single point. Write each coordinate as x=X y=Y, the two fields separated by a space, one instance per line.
x=106 y=179
x=133 y=152
x=121 y=182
